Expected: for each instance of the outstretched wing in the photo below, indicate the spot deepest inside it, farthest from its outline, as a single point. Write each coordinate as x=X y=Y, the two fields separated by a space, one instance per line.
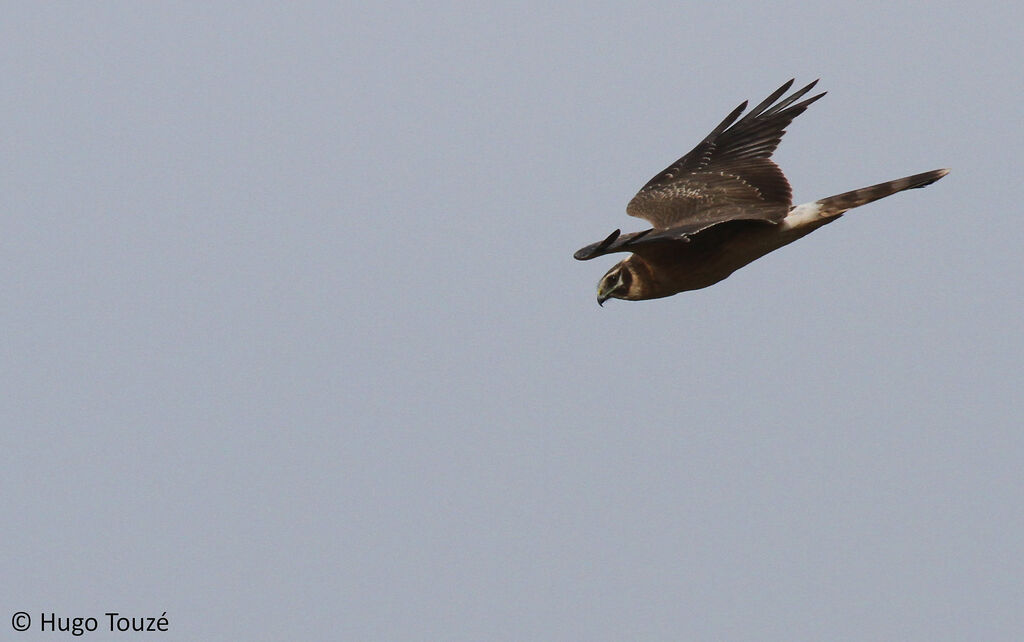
x=730 y=174
x=656 y=241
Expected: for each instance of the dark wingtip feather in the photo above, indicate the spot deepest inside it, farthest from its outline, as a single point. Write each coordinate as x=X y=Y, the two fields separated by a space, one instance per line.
x=792 y=98
x=595 y=249
x=767 y=102
x=729 y=120
x=611 y=239
x=799 y=108
x=584 y=253
x=814 y=98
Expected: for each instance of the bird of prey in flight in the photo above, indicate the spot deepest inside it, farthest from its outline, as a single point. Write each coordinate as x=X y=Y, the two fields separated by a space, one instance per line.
x=722 y=206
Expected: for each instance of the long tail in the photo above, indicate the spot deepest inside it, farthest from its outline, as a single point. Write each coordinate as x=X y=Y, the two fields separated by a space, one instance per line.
x=809 y=216
x=839 y=203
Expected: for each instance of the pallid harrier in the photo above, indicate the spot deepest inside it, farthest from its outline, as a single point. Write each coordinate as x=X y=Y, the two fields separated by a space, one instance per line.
x=722 y=206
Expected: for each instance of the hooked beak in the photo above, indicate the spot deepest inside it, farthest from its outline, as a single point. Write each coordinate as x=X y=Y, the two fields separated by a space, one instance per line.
x=601 y=298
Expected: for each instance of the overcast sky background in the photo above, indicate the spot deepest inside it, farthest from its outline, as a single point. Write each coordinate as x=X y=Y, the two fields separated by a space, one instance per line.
x=293 y=345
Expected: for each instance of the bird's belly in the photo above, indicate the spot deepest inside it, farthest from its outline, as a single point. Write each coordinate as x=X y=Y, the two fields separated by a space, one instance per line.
x=700 y=267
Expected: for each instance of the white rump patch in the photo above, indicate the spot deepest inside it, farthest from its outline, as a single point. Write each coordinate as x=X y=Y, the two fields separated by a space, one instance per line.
x=802 y=215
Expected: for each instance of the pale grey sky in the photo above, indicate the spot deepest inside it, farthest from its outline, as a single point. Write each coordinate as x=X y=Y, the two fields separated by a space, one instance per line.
x=294 y=346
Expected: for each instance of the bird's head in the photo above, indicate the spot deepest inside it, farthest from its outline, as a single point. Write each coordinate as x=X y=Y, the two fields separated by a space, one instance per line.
x=615 y=283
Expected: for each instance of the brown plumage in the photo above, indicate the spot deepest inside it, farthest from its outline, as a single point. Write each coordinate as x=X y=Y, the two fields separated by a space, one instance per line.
x=723 y=205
